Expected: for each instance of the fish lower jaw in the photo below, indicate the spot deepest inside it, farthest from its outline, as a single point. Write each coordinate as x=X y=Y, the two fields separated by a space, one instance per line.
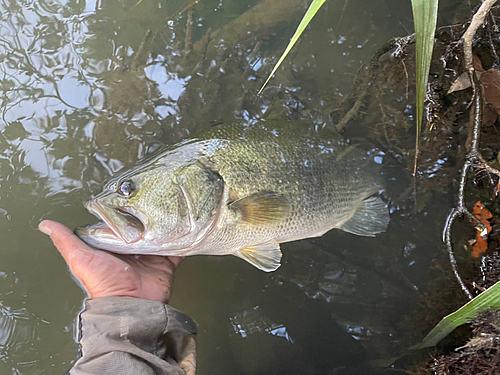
x=122 y=221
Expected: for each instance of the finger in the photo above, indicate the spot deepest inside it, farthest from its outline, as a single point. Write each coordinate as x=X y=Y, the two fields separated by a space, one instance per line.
x=69 y=245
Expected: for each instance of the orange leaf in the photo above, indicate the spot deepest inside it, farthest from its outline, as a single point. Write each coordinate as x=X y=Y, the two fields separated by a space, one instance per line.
x=481 y=244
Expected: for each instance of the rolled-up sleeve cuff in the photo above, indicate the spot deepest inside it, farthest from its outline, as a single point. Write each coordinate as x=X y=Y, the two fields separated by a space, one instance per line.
x=133 y=335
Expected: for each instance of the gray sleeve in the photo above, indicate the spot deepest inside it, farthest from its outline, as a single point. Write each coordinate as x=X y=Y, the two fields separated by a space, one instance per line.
x=132 y=336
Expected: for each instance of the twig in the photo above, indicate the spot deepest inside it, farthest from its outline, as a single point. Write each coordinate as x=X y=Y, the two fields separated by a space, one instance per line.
x=189 y=32
x=141 y=51
x=406 y=74
x=188 y=5
x=252 y=58
x=352 y=112
x=454 y=214
x=491 y=22
x=473 y=158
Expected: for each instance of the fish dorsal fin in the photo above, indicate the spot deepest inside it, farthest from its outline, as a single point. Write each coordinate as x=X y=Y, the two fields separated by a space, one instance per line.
x=265 y=257
x=262 y=208
x=371 y=218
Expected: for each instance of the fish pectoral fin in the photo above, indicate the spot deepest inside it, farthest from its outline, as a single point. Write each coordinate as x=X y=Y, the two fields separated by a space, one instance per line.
x=371 y=218
x=262 y=208
x=265 y=257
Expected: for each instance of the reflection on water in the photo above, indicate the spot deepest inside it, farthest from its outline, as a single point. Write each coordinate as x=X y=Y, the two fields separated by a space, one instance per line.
x=88 y=87
x=19 y=328
x=14 y=331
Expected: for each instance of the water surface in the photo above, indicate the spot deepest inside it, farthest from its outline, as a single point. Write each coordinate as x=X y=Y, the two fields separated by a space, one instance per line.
x=88 y=87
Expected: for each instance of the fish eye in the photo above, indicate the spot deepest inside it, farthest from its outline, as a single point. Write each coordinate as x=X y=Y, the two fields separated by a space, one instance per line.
x=125 y=189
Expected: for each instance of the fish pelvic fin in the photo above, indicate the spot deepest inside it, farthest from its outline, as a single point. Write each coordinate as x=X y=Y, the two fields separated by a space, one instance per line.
x=265 y=257
x=262 y=208
x=371 y=218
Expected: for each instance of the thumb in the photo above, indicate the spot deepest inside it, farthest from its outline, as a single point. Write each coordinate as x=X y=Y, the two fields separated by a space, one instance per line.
x=73 y=250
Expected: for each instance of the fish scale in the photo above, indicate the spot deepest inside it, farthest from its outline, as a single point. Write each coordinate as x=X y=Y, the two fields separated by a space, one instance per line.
x=242 y=189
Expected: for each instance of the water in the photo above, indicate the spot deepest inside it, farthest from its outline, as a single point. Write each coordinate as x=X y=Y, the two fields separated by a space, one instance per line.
x=80 y=99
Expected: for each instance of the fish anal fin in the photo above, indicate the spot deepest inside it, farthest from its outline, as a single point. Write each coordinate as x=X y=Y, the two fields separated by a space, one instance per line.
x=262 y=208
x=371 y=218
x=265 y=257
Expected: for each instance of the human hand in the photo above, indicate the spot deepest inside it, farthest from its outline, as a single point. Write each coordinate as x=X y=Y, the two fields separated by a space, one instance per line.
x=106 y=274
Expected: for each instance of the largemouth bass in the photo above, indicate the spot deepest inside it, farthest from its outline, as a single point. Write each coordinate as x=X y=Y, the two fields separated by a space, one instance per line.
x=242 y=190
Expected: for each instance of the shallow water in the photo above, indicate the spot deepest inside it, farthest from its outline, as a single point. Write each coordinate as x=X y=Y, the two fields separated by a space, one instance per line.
x=80 y=99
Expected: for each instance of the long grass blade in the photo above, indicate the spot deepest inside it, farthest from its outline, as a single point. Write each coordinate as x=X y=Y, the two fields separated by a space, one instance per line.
x=488 y=300
x=424 y=18
x=311 y=12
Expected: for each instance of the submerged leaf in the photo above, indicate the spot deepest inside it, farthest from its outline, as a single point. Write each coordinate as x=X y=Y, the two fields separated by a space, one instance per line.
x=490 y=85
x=488 y=300
x=463 y=80
x=311 y=12
x=461 y=83
x=424 y=18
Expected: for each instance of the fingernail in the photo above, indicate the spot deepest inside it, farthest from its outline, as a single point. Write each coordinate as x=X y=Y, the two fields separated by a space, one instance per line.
x=44 y=229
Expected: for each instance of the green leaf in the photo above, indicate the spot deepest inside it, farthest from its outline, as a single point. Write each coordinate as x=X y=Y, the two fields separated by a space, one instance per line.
x=424 y=18
x=488 y=300
x=313 y=9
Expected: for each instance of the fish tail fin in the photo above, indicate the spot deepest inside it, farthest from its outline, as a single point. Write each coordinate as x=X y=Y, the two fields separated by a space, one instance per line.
x=371 y=218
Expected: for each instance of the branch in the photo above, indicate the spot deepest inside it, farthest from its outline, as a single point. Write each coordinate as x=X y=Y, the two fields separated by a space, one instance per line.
x=473 y=158
x=477 y=20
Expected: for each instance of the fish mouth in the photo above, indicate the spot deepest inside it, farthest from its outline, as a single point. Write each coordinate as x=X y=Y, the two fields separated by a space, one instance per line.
x=118 y=223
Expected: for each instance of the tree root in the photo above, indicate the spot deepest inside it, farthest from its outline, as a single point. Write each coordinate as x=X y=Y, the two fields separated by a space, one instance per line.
x=473 y=159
